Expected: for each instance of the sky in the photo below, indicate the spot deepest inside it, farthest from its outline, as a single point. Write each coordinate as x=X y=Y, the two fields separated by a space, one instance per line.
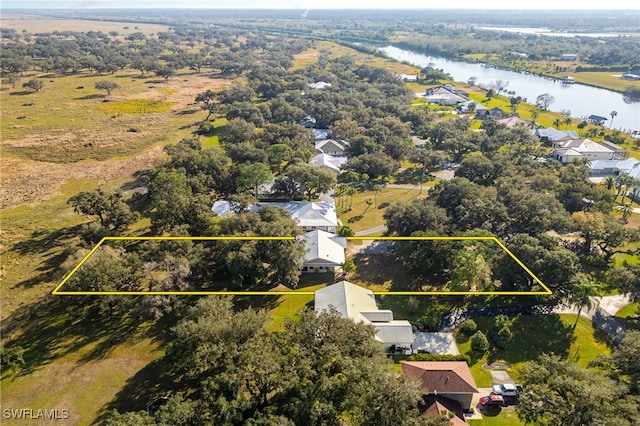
x=324 y=4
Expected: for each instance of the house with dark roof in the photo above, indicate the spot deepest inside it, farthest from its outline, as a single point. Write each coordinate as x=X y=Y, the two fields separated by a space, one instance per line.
x=448 y=379
x=597 y=119
x=435 y=405
x=494 y=112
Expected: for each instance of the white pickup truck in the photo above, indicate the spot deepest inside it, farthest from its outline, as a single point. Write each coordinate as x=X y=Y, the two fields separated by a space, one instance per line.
x=506 y=389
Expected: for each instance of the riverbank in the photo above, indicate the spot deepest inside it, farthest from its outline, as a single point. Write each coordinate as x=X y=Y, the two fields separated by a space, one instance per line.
x=556 y=70
x=579 y=100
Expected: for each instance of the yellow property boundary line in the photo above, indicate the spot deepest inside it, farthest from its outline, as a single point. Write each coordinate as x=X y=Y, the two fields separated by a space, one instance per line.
x=58 y=292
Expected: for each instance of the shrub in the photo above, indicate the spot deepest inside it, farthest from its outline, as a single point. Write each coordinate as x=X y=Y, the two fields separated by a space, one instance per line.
x=468 y=327
x=479 y=342
x=206 y=128
x=500 y=334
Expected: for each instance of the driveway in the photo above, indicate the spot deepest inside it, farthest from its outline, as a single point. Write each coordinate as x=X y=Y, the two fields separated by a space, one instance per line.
x=435 y=343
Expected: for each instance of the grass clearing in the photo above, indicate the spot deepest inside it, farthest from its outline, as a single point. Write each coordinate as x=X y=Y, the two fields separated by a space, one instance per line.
x=356 y=213
x=535 y=335
x=630 y=315
x=135 y=106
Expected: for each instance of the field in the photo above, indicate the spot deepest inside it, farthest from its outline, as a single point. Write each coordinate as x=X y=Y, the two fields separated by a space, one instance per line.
x=67 y=130
x=42 y=24
x=356 y=213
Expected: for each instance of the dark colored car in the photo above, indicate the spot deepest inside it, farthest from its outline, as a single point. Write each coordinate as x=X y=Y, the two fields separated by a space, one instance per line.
x=492 y=400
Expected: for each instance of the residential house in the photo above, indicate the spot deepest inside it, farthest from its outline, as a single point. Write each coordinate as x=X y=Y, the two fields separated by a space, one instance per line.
x=308 y=121
x=466 y=107
x=445 y=95
x=569 y=57
x=309 y=216
x=329 y=162
x=619 y=153
x=632 y=74
x=319 y=134
x=552 y=135
x=324 y=252
x=319 y=85
x=333 y=147
x=612 y=167
x=407 y=77
x=510 y=122
x=569 y=150
x=634 y=172
x=434 y=405
x=448 y=379
x=597 y=119
x=482 y=114
x=359 y=304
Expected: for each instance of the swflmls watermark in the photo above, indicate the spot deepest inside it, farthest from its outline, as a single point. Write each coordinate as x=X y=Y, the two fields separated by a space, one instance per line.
x=35 y=414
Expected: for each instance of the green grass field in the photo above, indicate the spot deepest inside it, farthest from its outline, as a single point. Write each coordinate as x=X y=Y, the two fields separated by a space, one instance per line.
x=359 y=215
x=534 y=335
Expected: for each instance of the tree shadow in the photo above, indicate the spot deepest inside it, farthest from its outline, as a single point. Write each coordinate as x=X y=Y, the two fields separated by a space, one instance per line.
x=92 y=96
x=41 y=242
x=21 y=93
x=377 y=268
x=147 y=385
x=535 y=335
x=187 y=112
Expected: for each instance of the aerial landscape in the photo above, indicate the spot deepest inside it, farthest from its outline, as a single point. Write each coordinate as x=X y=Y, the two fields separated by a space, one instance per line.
x=275 y=214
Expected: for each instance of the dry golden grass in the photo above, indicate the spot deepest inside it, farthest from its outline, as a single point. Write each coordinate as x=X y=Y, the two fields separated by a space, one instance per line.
x=44 y=24
x=67 y=135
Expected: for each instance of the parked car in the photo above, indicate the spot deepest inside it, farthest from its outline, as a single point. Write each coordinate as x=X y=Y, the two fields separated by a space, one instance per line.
x=506 y=389
x=492 y=400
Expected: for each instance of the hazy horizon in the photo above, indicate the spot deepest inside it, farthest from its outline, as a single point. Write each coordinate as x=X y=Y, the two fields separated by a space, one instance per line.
x=297 y=4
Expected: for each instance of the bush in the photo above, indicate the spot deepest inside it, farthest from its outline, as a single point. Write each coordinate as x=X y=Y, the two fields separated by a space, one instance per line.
x=468 y=327
x=500 y=334
x=206 y=128
x=479 y=342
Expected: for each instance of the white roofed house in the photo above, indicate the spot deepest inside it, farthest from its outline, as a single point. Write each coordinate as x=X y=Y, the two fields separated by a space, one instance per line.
x=337 y=148
x=324 y=252
x=445 y=95
x=309 y=216
x=359 y=304
x=569 y=150
x=329 y=162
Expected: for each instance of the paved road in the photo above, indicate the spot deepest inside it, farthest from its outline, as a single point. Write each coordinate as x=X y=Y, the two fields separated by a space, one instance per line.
x=378 y=230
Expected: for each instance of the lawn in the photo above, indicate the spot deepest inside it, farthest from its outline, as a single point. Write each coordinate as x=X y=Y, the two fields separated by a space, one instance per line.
x=356 y=213
x=630 y=315
x=503 y=417
x=535 y=335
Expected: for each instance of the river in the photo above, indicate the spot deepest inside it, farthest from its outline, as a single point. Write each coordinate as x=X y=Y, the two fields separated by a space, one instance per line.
x=581 y=100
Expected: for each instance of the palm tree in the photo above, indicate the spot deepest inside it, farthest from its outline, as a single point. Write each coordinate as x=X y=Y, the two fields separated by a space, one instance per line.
x=621 y=181
x=556 y=123
x=376 y=189
x=583 y=288
x=351 y=191
x=567 y=122
x=612 y=114
x=626 y=209
x=534 y=113
x=581 y=126
x=609 y=181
